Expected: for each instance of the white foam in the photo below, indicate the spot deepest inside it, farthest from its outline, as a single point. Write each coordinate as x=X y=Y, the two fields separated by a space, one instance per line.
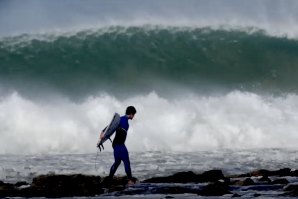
x=235 y=120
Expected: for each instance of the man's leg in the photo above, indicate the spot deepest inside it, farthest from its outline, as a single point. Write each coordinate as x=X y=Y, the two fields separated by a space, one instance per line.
x=117 y=157
x=125 y=159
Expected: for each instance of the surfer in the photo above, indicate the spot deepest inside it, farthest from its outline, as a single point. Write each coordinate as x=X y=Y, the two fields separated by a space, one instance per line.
x=120 y=150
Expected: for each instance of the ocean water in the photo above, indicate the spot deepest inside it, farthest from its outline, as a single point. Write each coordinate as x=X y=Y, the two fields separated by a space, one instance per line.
x=214 y=84
x=147 y=164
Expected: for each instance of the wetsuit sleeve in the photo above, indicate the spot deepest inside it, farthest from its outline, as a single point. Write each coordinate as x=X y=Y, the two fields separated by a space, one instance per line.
x=124 y=123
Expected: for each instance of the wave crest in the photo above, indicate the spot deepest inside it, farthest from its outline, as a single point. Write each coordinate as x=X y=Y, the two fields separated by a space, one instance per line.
x=147 y=58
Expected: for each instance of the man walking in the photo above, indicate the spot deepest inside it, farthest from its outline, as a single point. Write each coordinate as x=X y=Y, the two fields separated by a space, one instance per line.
x=120 y=150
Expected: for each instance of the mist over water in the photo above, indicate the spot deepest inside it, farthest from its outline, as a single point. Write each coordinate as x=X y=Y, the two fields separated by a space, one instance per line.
x=202 y=75
x=274 y=16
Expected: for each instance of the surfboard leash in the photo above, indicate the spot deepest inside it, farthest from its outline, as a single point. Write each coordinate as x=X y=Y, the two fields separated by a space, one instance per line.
x=96 y=160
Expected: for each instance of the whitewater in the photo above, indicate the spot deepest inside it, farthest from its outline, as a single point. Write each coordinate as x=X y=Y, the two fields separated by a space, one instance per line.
x=235 y=120
x=214 y=84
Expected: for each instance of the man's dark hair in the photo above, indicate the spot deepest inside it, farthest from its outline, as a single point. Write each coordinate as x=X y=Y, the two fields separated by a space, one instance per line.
x=130 y=110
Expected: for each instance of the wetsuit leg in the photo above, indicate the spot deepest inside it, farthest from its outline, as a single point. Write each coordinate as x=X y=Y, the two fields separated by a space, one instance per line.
x=117 y=157
x=125 y=159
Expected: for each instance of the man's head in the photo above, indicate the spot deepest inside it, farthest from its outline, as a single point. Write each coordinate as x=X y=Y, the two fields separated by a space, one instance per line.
x=130 y=112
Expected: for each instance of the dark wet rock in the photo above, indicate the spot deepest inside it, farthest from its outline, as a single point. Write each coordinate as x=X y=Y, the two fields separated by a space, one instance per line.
x=181 y=177
x=265 y=179
x=291 y=189
x=236 y=195
x=116 y=184
x=21 y=183
x=4 y=185
x=184 y=177
x=280 y=181
x=261 y=172
x=245 y=175
x=246 y=182
x=64 y=186
x=282 y=172
x=116 y=181
x=54 y=186
x=69 y=185
x=215 y=189
x=190 y=177
x=7 y=189
x=264 y=172
x=211 y=176
x=77 y=185
x=294 y=173
x=108 y=182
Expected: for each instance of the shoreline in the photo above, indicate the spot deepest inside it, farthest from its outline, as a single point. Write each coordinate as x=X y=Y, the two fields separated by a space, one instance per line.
x=262 y=182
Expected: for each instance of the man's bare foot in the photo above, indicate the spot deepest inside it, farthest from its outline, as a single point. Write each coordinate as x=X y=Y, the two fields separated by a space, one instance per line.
x=130 y=182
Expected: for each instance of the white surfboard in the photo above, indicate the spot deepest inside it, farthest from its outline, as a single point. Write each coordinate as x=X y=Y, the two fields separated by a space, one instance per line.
x=110 y=130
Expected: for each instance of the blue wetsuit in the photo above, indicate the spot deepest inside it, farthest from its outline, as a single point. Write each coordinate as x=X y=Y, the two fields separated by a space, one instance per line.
x=120 y=150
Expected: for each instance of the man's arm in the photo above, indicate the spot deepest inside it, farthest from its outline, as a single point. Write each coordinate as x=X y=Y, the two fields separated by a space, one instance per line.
x=102 y=133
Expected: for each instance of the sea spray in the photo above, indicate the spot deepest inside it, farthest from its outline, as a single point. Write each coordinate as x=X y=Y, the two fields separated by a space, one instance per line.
x=276 y=17
x=237 y=120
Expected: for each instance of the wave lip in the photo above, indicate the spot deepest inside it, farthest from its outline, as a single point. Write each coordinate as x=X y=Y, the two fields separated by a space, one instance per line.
x=276 y=17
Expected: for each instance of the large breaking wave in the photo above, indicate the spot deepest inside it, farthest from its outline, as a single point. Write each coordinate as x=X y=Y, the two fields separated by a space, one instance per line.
x=201 y=75
x=150 y=58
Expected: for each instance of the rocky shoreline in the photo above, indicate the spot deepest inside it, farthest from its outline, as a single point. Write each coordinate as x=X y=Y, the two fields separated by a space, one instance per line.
x=282 y=182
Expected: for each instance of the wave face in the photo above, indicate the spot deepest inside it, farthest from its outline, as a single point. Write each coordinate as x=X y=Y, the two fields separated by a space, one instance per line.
x=151 y=58
x=202 y=75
